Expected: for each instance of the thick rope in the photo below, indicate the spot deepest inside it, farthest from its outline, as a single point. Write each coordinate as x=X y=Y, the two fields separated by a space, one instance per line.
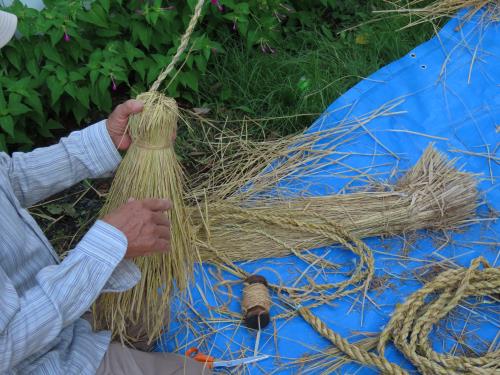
x=412 y=321
x=352 y=351
x=182 y=46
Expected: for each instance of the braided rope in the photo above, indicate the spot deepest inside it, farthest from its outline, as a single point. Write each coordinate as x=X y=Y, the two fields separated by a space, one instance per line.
x=182 y=46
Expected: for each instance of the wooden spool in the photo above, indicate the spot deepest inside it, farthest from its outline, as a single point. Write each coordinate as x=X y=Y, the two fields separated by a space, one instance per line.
x=257 y=315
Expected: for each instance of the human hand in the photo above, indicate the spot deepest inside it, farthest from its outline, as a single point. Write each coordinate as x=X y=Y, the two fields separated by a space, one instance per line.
x=118 y=120
x=144 y=224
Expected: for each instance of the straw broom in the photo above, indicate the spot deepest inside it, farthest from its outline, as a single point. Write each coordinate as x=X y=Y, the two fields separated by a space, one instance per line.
x=150 y=169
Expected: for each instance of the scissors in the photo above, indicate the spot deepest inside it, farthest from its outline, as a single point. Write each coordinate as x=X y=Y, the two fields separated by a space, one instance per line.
x=211 y=362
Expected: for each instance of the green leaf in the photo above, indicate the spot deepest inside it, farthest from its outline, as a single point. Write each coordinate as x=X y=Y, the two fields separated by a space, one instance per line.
x=201 y=63
x=79 y=111
x=56 y=88
x=96 y=16
x=15 y=107
x=142 y=33
x=61 y=74
x=105 y=5
x=13 y=57
x=56 y=35
x=34 y=102
x=7 y=124
x=71 y=89
x=93 y=77
x=76 y=76
x=3 y=143
x=189 y=79
x=18 y=109
x=103 y=84
x=51 y=53
x=131 y=53
x=32 y=67
x=83 y=97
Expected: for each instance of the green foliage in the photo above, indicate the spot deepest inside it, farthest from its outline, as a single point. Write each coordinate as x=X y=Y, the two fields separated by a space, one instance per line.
x=76 y=59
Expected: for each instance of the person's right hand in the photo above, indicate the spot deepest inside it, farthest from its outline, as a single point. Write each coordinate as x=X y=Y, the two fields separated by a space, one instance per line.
x=145 y=225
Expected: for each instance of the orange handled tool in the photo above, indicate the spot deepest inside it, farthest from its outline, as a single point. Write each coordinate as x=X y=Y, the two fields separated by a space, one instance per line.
x=211 y=362
x=195 y=354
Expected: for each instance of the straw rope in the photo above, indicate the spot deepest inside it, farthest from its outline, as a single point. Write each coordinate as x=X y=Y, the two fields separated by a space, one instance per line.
x=413 y=320
x=182 y=46
x=354 y=352
x=255 y=295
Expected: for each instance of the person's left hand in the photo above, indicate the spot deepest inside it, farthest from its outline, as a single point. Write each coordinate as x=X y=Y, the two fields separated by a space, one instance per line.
x=118 y=120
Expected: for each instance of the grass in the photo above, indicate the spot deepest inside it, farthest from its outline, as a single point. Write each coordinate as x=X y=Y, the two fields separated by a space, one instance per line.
x=312 y=68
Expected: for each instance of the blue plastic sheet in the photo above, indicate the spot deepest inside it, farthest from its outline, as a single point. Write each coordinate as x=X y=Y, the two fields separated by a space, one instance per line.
x=445 y=91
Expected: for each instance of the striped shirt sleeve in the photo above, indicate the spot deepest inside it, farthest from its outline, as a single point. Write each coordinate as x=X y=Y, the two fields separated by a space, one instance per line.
x=89 y=153
x=61 y=294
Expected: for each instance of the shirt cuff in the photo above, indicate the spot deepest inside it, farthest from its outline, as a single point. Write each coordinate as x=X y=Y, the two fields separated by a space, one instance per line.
x=105 y=243
x=100 y=149
x=109 y=245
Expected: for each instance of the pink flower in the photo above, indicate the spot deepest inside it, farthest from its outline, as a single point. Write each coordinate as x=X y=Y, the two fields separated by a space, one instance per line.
x=219 y=6
x=66 y=37
x=114 y=87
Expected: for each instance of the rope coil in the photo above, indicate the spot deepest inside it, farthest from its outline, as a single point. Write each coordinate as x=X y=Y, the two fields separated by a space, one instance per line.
x=256 y=302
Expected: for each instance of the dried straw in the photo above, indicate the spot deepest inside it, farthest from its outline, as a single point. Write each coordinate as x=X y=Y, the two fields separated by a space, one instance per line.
x=432 y=195
x=150 y=170
x=424 y=11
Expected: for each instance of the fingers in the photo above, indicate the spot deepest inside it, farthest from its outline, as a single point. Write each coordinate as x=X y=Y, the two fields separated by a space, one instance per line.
x=163 y=232
x=157 y=204
x=160 y=219
x=161 y=246
x=124 y=110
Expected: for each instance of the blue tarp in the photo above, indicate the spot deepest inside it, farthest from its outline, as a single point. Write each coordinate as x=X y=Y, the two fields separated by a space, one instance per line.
x=447 y=88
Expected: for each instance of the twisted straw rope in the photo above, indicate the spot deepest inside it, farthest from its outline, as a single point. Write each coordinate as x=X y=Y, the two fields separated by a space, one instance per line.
x=182 y=46
x=352 y=351
x=413 y=320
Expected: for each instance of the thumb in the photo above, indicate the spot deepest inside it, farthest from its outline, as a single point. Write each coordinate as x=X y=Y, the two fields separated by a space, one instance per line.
x=129 y=107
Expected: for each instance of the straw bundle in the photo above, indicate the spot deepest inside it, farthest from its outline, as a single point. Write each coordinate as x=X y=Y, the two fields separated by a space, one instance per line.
x=433 y=195
x=150 y=170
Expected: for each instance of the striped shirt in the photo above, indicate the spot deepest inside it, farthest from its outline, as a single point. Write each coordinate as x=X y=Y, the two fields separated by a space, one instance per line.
x=41 y=298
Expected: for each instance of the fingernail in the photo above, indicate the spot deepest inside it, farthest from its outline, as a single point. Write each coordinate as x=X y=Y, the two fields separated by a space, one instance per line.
x=136 y=104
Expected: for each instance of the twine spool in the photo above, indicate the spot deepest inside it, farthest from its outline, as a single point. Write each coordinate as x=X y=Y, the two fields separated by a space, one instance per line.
x=256 y=302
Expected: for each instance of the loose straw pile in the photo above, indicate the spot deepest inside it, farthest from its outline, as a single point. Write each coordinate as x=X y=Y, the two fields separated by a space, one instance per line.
x=424 y=11
x=432 y=195
x=150 y=169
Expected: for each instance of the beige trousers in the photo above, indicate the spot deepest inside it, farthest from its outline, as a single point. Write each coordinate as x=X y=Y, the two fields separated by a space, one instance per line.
x=120 y=360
